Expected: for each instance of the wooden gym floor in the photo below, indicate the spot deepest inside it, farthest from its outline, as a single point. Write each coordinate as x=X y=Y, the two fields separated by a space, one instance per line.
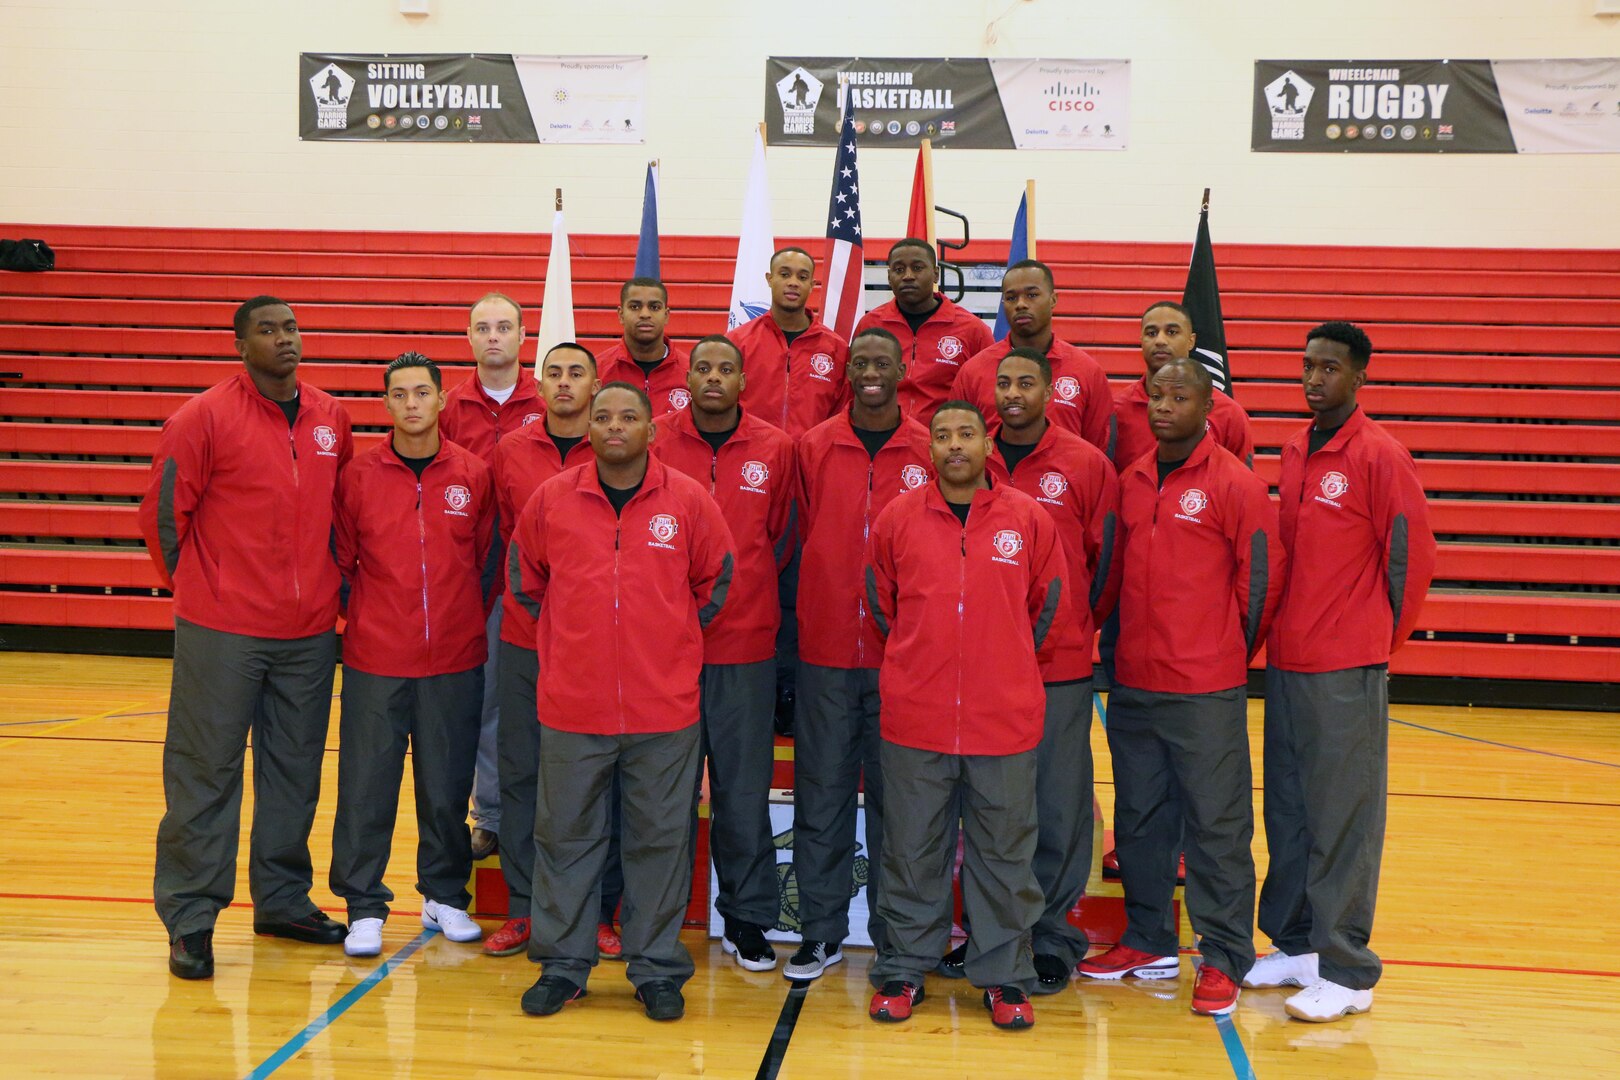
x=1498 y=923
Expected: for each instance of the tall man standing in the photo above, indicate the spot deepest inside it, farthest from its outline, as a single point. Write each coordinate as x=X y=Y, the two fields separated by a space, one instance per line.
x=1167 y=334
x=498 y=399
x=795 y=361
x=1361 y=555
x=238 y=518
x=620 y=639
x=644 y=357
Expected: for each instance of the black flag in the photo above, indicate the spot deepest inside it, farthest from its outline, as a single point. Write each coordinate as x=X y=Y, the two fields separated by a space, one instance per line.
x=1202 y=297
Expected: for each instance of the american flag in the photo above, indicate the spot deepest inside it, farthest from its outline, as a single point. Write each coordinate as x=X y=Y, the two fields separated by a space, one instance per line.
x=844 y=251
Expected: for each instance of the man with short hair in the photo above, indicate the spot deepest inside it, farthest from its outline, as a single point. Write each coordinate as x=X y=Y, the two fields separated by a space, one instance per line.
x=620 y=640
x=237 y=517
x=498 y=398
x=643 y=356
x=414 y=518
x=937 y=336
x=1202 y=569
x=850 y=468
x=1081 y=399
x=1167 y=334
x=795 y=362
x=748 y=467
x=1361 y=556
x=964 y=583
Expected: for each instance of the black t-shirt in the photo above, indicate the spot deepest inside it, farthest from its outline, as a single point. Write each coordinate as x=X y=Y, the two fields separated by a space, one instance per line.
x=717 y=439
x=1168 y=467
x=648 y=366
x=791 y=335
x=874 y=440
x=564 y=443
x=417 y=465
x=621 y=496
x=960 y=510
x=289 y=409
x=1320 y=438
x=1013 y=453
x=916 y=321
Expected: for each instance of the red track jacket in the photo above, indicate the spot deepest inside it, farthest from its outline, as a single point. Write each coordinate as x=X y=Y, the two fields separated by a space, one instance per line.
x=524 y=460
x=956 y=606
x=753 y=478
x=621 y=601
x=1360 y=551
x=1081 y=400
x=666 y=387
x=841 y=491
x=238 y=510
x=1227 y=422
x=418 y=560
x=1077 y=486
x=794 y=388
x=475 y=421
x=934 y=354
x=1203 y=571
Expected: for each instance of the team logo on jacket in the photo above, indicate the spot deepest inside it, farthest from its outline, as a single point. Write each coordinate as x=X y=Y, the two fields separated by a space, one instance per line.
x=950 y=347
x=1067 y=387
x=1193 y=502
x=1334 y=484
x=913 y=476
x=663 y=528
x=457 y=498
x=325 y=438
x=530 y=418
x=679 y=399
x=1053 y=485
x=821 y=364
x=754 y=474
x=1008 y=543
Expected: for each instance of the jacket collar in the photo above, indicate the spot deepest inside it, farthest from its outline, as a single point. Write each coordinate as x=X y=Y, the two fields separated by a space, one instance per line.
x=1201 y=453
x=590 y=481
x=681 y=423
x=935 y=499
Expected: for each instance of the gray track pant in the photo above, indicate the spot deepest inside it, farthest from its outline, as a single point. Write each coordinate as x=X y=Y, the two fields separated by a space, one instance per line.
x=486 y=792
x=739 y=744
x=1326 y=776
x=224 y=687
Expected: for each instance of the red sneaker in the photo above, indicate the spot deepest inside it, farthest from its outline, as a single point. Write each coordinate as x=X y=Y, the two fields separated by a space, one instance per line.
x=1122 y=961
x=607 y=942
x=512 y=937
x=1009 y=1008
x=1215 y=994
x=893 y=1003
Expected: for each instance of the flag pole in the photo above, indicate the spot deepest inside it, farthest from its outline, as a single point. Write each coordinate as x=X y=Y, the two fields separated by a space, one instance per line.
x=1205 y=208
x=1029 y=216
x=762 y=137
x=928 y=189
x=559 y=198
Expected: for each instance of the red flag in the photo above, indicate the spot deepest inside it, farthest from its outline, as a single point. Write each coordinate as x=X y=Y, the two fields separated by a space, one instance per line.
x=920 y=217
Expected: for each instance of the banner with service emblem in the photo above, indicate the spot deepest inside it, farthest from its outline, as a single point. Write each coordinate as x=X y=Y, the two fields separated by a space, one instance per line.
x=472 y=97
x=1024 y=104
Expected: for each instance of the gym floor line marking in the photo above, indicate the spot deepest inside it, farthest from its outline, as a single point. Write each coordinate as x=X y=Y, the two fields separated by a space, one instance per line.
x=80 y=720
x=292 y=1046
x=1505 y=746
x=782 y=1034
x=1235 y=1053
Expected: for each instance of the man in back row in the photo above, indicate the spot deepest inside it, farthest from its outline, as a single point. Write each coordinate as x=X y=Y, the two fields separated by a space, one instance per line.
x=1168 y=334
x=644 y=356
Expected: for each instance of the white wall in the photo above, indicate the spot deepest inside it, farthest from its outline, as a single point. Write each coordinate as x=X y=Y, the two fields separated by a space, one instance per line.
x=185 y=112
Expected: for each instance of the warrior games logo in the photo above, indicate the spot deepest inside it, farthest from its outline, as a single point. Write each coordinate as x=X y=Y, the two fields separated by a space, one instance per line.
x=1193 y=502
x=913 y=476
x=679 y=399
x=754 y=475
x=457 y=498
x=325 y=439
x=798 y=91
x=1053 y=486
x=1288 y=96
x=1008 y=543
x=332 y=87
x=663 y=528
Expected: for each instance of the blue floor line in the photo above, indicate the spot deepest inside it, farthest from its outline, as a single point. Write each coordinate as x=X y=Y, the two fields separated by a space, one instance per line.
x=1506 y=746
x=1234 y=1048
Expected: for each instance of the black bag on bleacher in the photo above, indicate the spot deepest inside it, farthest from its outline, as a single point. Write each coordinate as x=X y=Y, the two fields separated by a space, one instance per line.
x=26 y=255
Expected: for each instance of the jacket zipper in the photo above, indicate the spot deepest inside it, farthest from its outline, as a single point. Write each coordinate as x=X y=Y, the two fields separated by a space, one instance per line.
x=866 y=536
x=421 y=536
x=618 y=667
x=298 y=587
x=961 y=628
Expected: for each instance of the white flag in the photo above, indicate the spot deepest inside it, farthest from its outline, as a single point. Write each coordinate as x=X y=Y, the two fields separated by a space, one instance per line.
x=750 y=295
x=557 y=309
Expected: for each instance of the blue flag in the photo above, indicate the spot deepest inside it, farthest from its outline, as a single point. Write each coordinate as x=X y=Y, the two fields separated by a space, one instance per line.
x=1017 y=253
x=647 y=246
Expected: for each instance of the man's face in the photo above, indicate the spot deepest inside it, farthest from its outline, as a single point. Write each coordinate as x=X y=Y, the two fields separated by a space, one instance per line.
x=644 y=314
x=1166 y=336
x=272 y=346
x=1177 y=405
x=874 y=372
x=715 y=379
x=567 y=381
x=621 y=427
x=495 y=333
x=791 y=278
x=1329 y=377
x=958 y=446
x=912 y=277
x=1028 y=300
x=1022 y=392
x=413 y=401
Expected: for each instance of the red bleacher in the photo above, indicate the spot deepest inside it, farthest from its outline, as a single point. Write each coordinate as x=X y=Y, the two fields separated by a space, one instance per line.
x=1500 y=369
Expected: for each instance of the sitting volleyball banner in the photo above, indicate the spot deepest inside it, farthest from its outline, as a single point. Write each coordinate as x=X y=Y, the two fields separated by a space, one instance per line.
x=472 y=97
x=1437 y=106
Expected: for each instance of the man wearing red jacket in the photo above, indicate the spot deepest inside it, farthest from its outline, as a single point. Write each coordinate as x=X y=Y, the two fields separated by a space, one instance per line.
x=621 y=641
x=936 y=335
x=238 y=519
x=1081 y=399
x=748 y=467
x=414 y=519
x=1203 y=570
x=525 y=459
x=1361 y=555
x=795 y=362
x=644 y=357
x=1167 y=334
x=964 y=583
x=850 y=468
x=497 y=399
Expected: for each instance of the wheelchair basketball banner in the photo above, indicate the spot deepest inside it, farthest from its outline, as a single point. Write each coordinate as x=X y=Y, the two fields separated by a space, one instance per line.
x=1437 y=106
x=472 y=97
x=1023 y=104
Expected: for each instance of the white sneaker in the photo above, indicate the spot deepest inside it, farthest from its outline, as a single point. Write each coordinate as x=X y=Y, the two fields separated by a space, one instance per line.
x=1280 y=969
x=453 y=923
x=364 y=938
x=1324 y=1001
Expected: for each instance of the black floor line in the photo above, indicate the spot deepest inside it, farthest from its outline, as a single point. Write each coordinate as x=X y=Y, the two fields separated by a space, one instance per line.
x=771 y=1064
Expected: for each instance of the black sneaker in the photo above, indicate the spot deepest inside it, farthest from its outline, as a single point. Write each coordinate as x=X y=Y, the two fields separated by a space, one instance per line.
x=662 y=1000
x=549 y=995
x=313 y=929
x=953 y=965
x=1052 y=972
x=812 y=959
x=747 y=943
x=783 y=721
x=191 y=956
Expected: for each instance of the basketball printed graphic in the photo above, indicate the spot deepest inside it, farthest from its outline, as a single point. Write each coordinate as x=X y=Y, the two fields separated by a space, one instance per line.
x=529 y=419
x=1334 y=484
x=950 y=347
x=325 y=437
x=754 y=473
x=1053 y=485
x=663 y=527
x=1193 y=502
x=821 y=364
x=457 y=497
x=1008 y=543
x=679 y=399
x=914 y=476
x=1067 y=387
